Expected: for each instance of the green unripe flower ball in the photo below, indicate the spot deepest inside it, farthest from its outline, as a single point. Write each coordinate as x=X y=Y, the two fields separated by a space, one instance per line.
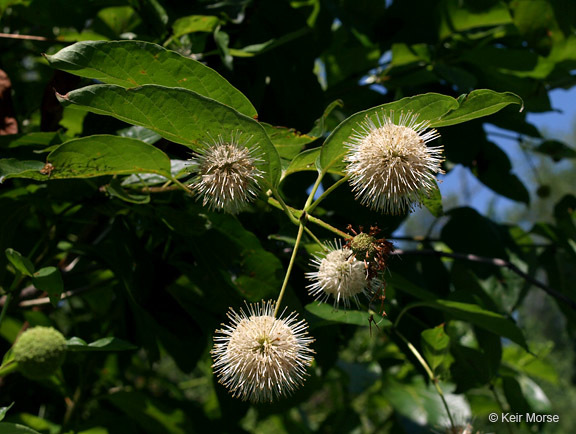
x=363 y=245
x=39 y=351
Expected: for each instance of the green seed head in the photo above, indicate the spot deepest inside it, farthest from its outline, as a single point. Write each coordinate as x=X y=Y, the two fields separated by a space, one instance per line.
x=40 y=351
x=363 y=246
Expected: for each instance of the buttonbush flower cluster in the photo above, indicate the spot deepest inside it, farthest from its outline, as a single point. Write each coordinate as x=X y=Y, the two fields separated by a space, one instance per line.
x=390 y=166
x=258 y=355
x=226 y=173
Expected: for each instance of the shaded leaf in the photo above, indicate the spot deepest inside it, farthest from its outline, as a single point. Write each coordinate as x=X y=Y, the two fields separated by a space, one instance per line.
x=20 y=262
x=555 y=150
x=436 y=348
x=106 y=155
x=14 y=428
x=104 y=344
x=4 y=410
x=433 y=202
x=150 y=414
x=49 y=279
x=491 y=321
x=327 y=312
x=12 y=168
x=194 y=23
x=115 y=189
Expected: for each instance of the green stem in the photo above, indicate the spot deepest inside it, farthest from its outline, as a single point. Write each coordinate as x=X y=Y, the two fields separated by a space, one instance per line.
x=315 y=238
x=407 y=308
x=313 y=192
x=285 y=207
x=9 y=367
x=182 y=186
x=298 y=214
x=289 y=270
x=430 y=374
x=327 y=192
x=497 y=398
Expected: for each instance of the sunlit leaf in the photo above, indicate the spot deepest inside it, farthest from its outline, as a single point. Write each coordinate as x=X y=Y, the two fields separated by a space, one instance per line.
x=176 y=114
x=135 y=63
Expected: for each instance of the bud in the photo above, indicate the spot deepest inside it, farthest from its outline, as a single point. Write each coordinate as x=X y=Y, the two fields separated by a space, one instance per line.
x=39 y=352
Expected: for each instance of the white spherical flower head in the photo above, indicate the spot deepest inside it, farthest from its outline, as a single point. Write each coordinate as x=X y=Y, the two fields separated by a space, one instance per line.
x=390 y=166
x=340 y=275
x=227 y=174
x=258 y=357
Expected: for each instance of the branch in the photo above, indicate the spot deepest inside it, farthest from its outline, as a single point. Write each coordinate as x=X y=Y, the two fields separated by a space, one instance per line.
x=29 y=38
x=492 y=261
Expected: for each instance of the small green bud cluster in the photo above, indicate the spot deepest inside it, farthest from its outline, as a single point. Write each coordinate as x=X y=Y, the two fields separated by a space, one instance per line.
x=364 y=246
x=39 y=352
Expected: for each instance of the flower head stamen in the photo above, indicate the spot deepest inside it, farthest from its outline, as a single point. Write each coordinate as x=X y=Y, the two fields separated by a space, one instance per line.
x=258 y=357
x=227 y=173
x=390 y=166
x=339 y=275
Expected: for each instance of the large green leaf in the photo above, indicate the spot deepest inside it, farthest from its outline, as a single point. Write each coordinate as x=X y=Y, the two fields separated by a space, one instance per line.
x=179 y=115
x=477 y=104
x=12 y=168
x=327 y=312
x=429 y=107
x=486 y=319
x=135 y=63
x=106 y=155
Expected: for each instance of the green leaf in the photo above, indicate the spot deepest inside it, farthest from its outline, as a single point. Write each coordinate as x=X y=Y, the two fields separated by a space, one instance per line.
x=12 y=168
x=556 y=150
x=477 y=104
x=4 y=410
x=115 y=189
x=179 y=115
x=418 y=401
x=434 y=202
x=304 y=161
x=14 y=428
x=436 y=347
x=429 y=107
x=287 y=141
x=20 y=263
x=136 y=63
x=485 y=319
x=321 y=125
x=49 y=279
x=153 y=415
x=194 y=23
x=327 y=312
x=106 y=155
x=104 y=344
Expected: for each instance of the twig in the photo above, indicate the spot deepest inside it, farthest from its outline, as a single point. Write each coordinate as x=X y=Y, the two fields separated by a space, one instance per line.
x=28 y=37
x=492 y=261
x=66 y=294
